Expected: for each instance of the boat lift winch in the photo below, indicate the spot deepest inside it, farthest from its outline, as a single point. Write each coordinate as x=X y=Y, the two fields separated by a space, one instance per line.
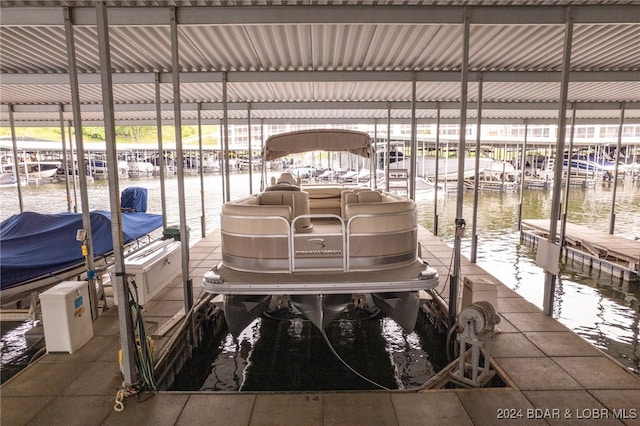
x=477 y=323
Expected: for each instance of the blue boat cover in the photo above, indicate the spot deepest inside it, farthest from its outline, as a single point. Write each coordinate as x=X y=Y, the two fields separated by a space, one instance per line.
x=35 y=244
x=133 y=199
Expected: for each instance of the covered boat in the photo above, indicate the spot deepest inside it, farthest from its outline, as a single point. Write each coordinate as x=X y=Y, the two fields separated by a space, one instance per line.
x=41 y=249
x=585 y=162
x=319 y=248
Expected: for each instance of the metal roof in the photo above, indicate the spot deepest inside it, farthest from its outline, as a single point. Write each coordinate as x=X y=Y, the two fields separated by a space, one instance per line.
x=323 y=61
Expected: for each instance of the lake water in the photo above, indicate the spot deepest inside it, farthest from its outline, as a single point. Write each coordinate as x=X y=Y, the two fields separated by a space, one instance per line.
x=603 y=313
x=596 y=308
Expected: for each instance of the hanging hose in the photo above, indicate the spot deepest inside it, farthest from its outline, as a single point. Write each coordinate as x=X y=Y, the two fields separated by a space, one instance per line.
x=144 y=351
x=333 y=351
x=37 y=355
x=452 y=330
x=326 y=339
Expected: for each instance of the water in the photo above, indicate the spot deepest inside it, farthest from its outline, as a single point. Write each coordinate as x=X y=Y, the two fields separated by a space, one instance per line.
x=600 y=311
x=290 y=354
x=16 y=354
x=594 y=306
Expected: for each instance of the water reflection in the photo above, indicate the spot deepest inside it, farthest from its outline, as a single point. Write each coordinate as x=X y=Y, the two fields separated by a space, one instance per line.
x=13 y=347
x=285 y=352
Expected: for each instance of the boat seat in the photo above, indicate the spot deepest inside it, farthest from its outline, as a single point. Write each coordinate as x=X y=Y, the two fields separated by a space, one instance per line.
x=386 y=216
x=348 y=197
x=287 y=177
x=324 y=199
x=286 y=182
x=298 y=201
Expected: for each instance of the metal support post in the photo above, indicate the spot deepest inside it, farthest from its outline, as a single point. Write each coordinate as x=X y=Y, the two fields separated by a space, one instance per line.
x=177 y=112
x=161 y=161
x=476 y=182
x=523 y=162
x=436 y=177
x=550 y=278
x=459 y=222
x=203 y=217
x=107 y=95
x=16 y=166
x=612 y=220
x=414 y=141
x=127 y=339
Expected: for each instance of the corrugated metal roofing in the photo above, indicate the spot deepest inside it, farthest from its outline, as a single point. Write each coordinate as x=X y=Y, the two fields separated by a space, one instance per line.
x=285 y=63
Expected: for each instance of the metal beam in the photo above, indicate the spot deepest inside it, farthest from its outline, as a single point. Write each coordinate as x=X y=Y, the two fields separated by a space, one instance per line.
x=16 y=166
x=4 y=122
x=327 y=76
x=381 y=106
x=308 y=15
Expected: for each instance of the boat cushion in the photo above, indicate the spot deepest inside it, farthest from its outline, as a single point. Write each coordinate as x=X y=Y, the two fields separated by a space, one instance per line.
x=324 y=199
x=369 y=197
x=282 y=186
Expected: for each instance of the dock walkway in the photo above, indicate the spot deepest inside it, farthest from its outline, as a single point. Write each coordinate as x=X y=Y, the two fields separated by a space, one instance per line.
x=617 y=255
x=553 y=377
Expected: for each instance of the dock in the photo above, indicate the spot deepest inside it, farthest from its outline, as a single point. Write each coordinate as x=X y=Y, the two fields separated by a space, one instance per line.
x=595 y=250
x=537 y=183
x=552 y=375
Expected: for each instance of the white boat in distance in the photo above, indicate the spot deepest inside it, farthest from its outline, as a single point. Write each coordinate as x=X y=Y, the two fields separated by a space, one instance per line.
x=34 y=169
x=319 y=248
x=448 y=167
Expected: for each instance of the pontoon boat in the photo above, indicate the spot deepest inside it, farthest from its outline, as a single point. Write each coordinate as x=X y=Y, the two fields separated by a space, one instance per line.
x=319 y=248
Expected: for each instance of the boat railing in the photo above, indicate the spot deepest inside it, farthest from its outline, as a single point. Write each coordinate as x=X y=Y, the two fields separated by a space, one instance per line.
x=394 y=231
x=248 y=232
x=364 y=242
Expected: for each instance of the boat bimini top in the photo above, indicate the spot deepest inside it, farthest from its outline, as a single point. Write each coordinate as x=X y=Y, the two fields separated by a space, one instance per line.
x=278 y=146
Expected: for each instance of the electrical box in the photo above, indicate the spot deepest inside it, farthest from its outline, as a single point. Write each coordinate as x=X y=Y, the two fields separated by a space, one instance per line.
x=477 y=289
x=66 y=316
x=152 y=268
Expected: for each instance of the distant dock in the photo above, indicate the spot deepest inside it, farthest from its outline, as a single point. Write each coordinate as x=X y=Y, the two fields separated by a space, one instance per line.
x=596 y=250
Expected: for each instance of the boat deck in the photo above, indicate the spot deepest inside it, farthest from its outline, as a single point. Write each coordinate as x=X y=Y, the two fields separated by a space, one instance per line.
x=329 y=282
x=553 y=376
